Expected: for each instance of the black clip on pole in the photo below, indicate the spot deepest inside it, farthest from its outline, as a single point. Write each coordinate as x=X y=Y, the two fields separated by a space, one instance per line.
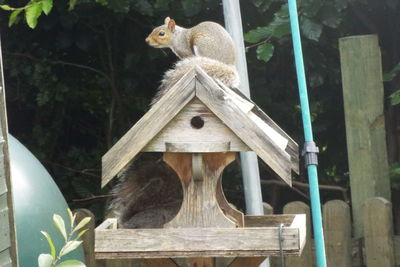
x=310 y=153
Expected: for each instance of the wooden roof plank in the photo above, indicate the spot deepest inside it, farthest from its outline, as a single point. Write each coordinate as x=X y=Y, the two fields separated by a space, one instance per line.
x=162 y=112
x=218 y=102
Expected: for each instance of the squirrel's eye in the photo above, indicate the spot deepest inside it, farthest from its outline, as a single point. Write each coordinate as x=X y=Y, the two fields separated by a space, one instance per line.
x=161 y=33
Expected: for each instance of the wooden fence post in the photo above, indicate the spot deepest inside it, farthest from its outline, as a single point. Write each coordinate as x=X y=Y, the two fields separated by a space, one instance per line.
x=361 y=66
x=378 y=233
x=306 y=258
x=337 y=230
x=88 y=237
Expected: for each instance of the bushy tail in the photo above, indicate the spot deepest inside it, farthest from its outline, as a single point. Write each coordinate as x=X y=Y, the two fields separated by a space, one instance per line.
x=147 y=196
x=227 y=74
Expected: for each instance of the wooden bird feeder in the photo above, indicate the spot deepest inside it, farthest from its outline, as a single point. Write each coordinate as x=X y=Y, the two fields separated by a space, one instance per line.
x=199 y=125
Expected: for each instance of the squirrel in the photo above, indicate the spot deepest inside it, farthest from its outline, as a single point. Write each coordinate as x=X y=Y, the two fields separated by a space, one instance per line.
x=206 y=39
x=150 y=195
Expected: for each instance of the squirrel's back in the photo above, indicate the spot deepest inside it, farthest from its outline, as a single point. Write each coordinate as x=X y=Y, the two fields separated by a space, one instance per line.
x=227 y=74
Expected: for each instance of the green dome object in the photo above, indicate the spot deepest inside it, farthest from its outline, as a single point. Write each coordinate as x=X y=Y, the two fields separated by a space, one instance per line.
x=36 y=198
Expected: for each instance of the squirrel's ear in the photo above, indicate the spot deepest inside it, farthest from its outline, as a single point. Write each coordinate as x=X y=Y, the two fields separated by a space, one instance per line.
x=166 y=20
x=171 y=25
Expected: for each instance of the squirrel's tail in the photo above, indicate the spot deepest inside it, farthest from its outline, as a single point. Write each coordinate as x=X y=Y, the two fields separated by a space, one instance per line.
x=227 y=74
x=148 y=196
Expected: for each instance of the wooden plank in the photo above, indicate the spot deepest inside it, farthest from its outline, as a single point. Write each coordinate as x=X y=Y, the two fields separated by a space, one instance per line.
x=378 y=233
x=159 y=262
x=180 y=130
x=306 y=257
x=5 y=179
x=337 y=231
x=5 y=241
x=163 y=111
x=292 y=148
x=88 y=237
x=268 y=220
x=193 y=242
x=396 y=241
x=363 y=97
x=239 y=122
x=202 y=262
x=248 y=262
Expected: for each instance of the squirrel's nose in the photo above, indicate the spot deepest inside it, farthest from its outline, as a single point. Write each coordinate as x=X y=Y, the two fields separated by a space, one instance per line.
x=147 y=40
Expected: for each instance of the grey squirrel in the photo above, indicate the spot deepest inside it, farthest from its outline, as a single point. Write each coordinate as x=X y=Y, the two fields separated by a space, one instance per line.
x=206 y=39
x=207 y=45
x=151 y=195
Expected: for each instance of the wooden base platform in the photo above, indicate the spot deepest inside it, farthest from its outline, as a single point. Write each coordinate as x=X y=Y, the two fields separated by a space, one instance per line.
x=259 y=237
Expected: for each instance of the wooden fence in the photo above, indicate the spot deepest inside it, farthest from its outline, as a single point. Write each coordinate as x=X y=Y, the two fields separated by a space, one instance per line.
x=377 y=248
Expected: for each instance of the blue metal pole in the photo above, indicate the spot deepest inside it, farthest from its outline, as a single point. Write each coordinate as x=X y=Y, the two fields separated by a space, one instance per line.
x=305 y=111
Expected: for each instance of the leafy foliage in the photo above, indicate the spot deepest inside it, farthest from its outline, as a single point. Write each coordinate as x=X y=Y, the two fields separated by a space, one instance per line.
x=71 y=242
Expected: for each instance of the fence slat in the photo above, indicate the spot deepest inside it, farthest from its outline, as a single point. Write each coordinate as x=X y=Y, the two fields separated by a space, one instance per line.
x=337 y=229
x=88 y=237
x=306 y=258
x=378 y=232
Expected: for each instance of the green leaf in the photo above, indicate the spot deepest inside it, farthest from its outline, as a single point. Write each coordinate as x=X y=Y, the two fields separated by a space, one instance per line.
x=6 y=7
x=281 y=27
x=70 y=246
x=265 y=52
x=81 y=233
x=395 y=98
x=330 y=16
x=311 y=29
x=389 y=76
x=47 y=5
x=32 y=13
x=162 y=4
x=258 y=3
x=310 y=7
x=59 y=223
x=71 y=216
x=102 y=2
x=45 y=260
x=258 y=34
x=51 y=245
x=71 y=4
x=71 y=263
x=13 y=17
x=82 y=224
x=191 y=7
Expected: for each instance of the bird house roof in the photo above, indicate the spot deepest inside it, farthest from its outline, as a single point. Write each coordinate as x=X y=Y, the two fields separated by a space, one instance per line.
x=199 y=114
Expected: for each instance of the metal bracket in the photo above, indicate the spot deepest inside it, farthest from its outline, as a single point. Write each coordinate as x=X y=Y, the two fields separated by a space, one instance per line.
x=310 y=153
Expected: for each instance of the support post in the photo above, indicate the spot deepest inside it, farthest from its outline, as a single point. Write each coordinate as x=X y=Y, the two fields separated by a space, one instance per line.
x=8 y=240
x=250 y=169
x=361 y=66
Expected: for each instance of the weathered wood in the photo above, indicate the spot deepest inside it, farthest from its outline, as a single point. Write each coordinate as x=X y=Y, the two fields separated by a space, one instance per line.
x=88 y=237
x=337 y=231
x=8 y=244
x=194 y=242
x=212 y=134
x=251 y=108
x=396 y=241
x=363 y=95
x=306 y=257
x=268 y=220
x=248 y=262
x=378 y=233
x=202 y=262
x=162 y=112
x=268 y=209
x=159 y=262
x=228 y=209
x=200 y=205
x=247 y=130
